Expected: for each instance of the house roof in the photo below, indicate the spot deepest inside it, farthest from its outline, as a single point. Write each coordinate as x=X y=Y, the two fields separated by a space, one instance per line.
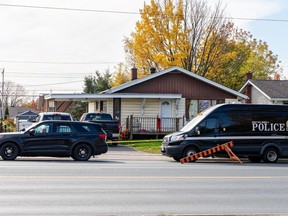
x=113 y=92
x=163 y=72
x=83 y=97
x=16 y=111
x=272 y=89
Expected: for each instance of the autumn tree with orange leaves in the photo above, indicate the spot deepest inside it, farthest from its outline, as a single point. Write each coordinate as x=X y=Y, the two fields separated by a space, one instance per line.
x=198 y=38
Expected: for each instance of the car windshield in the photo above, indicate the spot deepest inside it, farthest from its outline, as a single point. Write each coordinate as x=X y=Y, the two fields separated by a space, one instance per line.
x=56 y=117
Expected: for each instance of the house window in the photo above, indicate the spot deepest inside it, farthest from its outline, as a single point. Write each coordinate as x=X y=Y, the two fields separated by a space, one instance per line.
x=51 y=109
x=191 y=109
x=204 y=104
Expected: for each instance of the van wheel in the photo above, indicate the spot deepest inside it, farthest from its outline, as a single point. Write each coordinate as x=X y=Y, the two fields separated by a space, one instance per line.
x=177 y=159
x=9 y=151
x=271 y=155
x=189 y=151
x=254 y=159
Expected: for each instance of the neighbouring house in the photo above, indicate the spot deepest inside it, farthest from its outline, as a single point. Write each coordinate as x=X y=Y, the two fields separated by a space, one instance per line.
x=22 y=116
x=159 y=103
x=265 y=91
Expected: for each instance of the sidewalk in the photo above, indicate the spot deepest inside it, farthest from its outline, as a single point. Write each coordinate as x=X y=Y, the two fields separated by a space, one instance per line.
x=121 y=152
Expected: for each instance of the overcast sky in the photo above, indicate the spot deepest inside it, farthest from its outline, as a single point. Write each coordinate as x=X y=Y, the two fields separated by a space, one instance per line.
x=53 y=50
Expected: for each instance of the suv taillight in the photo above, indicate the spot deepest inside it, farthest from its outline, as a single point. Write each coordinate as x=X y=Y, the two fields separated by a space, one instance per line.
x=103 y=136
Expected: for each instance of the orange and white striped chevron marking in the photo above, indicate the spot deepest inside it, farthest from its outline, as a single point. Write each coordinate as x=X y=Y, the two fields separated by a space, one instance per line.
x=207 y=152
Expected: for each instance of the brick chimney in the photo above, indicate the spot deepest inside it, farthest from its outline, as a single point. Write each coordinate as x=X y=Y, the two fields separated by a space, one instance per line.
x=248 y=90
x=249 y=75
x=152 y=70
x=133 y=73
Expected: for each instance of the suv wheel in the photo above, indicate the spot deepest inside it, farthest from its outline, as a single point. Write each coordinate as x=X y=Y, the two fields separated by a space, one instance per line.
x=82 y=152
x=9 y=151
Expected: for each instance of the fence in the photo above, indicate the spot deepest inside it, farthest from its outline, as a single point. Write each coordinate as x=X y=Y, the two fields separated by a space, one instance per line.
x=156 y=125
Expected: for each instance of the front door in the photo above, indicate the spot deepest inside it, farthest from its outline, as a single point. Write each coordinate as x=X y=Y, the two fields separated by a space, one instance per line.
x=166 y=115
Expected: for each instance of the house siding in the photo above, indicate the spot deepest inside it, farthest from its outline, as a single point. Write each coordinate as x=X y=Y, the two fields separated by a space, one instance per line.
x=109 y=106
x=179 y=83
x=259 y=98
x=92 y=106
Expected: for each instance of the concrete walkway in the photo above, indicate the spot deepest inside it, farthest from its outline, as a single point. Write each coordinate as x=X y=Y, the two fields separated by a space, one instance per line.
x=121 y=152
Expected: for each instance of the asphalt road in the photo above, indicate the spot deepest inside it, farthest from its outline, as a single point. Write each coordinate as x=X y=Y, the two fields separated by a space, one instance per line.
x=127 y=182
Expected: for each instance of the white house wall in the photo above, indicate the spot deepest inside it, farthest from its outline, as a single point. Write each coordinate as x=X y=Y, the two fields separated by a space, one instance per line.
x=92 y=106
x=181 y=108
x=258 y=97
x=109 y=107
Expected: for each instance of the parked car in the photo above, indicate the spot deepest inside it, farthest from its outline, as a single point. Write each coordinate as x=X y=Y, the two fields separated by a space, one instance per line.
x=80 y=140
x=109 y=125
x=44 y=116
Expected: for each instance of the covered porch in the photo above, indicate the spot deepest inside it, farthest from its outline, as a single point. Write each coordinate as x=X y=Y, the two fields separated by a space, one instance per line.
x=150 y=126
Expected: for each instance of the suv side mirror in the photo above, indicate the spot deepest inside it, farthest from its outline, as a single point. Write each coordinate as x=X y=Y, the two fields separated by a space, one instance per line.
x=31 y=131
x=197 y=131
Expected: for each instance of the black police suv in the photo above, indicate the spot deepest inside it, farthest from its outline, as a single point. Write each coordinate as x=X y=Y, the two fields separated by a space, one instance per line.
x=79 y=140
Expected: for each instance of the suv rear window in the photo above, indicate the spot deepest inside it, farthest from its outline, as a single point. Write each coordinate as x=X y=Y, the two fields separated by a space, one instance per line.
x=89 y=128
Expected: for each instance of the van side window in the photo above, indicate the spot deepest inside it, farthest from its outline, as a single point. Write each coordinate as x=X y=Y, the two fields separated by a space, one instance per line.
x=208 y=126
x=235 y=122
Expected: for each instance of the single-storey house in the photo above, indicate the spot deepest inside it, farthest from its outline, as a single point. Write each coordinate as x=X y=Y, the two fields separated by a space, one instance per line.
x=159 y=103
x=22 y=116
x=265 y=91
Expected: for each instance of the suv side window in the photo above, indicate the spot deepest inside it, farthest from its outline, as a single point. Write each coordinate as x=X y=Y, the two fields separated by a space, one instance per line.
x=63 y=128
x=44 y=128
x=88 y=128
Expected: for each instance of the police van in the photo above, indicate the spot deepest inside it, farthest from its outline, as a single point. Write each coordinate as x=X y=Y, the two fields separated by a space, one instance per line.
x=259 y=132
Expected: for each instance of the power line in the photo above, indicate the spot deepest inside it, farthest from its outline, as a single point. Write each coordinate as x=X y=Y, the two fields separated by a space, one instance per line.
x=56 y=83
x=129 y=12
x=54 y=62
x=69 y=9
x=49 y=77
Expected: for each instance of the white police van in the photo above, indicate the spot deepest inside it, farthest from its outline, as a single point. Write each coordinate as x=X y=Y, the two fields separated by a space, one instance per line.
x=257 y=131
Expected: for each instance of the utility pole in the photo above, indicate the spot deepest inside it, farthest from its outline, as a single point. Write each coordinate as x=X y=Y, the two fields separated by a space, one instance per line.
x=2 y=101
x=2 y=96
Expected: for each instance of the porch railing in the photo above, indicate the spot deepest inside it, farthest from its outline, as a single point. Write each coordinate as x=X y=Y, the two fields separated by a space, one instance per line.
x=154 y=125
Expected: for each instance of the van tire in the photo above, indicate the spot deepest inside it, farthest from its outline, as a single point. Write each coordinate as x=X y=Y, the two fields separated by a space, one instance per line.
x=271 y=155
x=190 y=151
x=177 y=159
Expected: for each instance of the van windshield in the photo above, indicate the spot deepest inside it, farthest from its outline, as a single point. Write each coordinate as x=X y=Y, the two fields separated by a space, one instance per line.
x=197 y=119
x=192 y=123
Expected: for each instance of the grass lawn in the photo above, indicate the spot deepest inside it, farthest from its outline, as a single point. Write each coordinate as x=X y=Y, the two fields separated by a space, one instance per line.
x=150 y=146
